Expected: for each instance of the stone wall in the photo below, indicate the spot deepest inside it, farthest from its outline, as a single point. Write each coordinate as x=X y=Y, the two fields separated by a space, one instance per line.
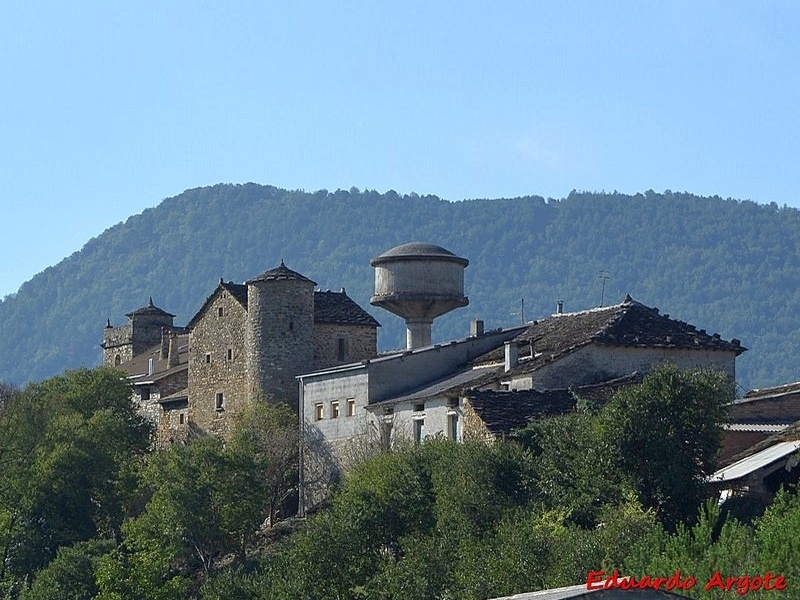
x=219 y=386
x=117 y=346
x=594 y=363
x=358 y=342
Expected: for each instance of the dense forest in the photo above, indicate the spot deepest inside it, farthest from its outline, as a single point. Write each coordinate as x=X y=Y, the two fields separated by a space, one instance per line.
x=727 y=266
x=88 y=512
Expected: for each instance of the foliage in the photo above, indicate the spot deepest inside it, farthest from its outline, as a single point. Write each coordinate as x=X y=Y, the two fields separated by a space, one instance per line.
x=663 y=436
x=707 y=261
x=268 y=435
x=71 y=574
x=69 y=453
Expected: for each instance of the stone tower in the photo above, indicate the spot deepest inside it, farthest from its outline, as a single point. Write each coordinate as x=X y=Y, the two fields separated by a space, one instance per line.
x=279 y=333
x=121 y=344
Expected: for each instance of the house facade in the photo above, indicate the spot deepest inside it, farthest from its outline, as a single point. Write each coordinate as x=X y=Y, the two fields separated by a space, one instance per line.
x=487 y=385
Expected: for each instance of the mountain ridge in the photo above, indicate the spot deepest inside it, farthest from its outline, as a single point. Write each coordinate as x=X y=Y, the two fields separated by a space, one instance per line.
x=725 y=265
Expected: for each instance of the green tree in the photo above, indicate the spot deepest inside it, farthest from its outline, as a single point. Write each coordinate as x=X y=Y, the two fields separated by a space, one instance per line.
x=205 y=502
x=71 y=574
x=70 y=448
x=268 y=435
x=663 y=435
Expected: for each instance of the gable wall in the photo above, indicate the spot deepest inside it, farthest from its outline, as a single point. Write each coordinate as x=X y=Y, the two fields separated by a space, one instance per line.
x=594 y=363
x=212 y=336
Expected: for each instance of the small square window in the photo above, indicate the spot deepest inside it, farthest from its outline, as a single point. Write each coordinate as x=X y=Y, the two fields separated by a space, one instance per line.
x=419 y=407
x=318 y=411
x=334 y=410
x=351 y=407
x=219 y=401
x=145 y=393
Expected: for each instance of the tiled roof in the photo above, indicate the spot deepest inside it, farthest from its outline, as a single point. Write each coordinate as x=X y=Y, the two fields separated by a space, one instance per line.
x=281 y=273
x=629 y=324
x=338 y=308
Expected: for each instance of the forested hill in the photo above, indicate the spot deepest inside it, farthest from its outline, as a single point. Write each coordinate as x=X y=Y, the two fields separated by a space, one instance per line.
x=726 y=266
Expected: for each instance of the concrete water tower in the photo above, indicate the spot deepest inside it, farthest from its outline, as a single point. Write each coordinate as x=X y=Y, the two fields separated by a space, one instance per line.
x=419 y=282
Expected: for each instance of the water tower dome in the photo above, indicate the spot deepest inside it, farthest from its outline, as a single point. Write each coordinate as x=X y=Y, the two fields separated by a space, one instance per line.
x=419 y=282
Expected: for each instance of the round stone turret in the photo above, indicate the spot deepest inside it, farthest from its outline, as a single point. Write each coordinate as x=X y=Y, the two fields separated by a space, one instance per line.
x=419 y=282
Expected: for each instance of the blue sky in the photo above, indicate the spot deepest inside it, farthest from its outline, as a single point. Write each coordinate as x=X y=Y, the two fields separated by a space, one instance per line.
x=108 y=108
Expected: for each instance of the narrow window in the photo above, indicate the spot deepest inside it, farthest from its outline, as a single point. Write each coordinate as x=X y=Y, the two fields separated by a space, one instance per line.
x=351 y=407
x=117 y=360
x=318 y=411
x=181 y=418
x=334 y=410
x=452 y=427
x=220 y=311
x=341 y=348
x=219 y=401
x=419 y=430
x=208 y=358
x=230 y=353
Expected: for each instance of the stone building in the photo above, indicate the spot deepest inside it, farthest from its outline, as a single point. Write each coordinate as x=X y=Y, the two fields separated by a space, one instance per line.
x=247 y=341
x=489 y=384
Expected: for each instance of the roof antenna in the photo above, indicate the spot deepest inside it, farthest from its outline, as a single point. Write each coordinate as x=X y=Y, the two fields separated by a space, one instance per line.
x=604 y=276
x=521 y=313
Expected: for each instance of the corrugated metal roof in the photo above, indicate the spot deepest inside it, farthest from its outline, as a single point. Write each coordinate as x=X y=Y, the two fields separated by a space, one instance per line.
x=753 y=463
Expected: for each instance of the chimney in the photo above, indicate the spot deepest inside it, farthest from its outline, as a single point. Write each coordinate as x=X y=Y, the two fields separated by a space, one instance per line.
x=476 y=328
x=165 y=333
x=560 y=307
x=172 y=359
x=150 y=365
x=512 y=355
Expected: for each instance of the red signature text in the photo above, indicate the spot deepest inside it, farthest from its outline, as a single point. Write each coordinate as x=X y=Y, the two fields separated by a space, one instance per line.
x=598 y=580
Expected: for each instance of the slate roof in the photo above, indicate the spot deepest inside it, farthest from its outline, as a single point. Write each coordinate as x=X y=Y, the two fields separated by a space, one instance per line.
x=629 y=324
x=150 y=309
x=137 y=368
x=504 y=412
x=281 y=273
x=779 y=390
x=338 y=308
x=329 y=307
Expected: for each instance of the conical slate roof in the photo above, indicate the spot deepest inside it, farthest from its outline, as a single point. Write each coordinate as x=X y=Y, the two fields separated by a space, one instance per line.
x=150 y=309
x=281 y=273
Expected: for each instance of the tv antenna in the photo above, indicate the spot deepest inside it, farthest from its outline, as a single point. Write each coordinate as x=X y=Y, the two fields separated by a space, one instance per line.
x=521 y=312
x=604 y=276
